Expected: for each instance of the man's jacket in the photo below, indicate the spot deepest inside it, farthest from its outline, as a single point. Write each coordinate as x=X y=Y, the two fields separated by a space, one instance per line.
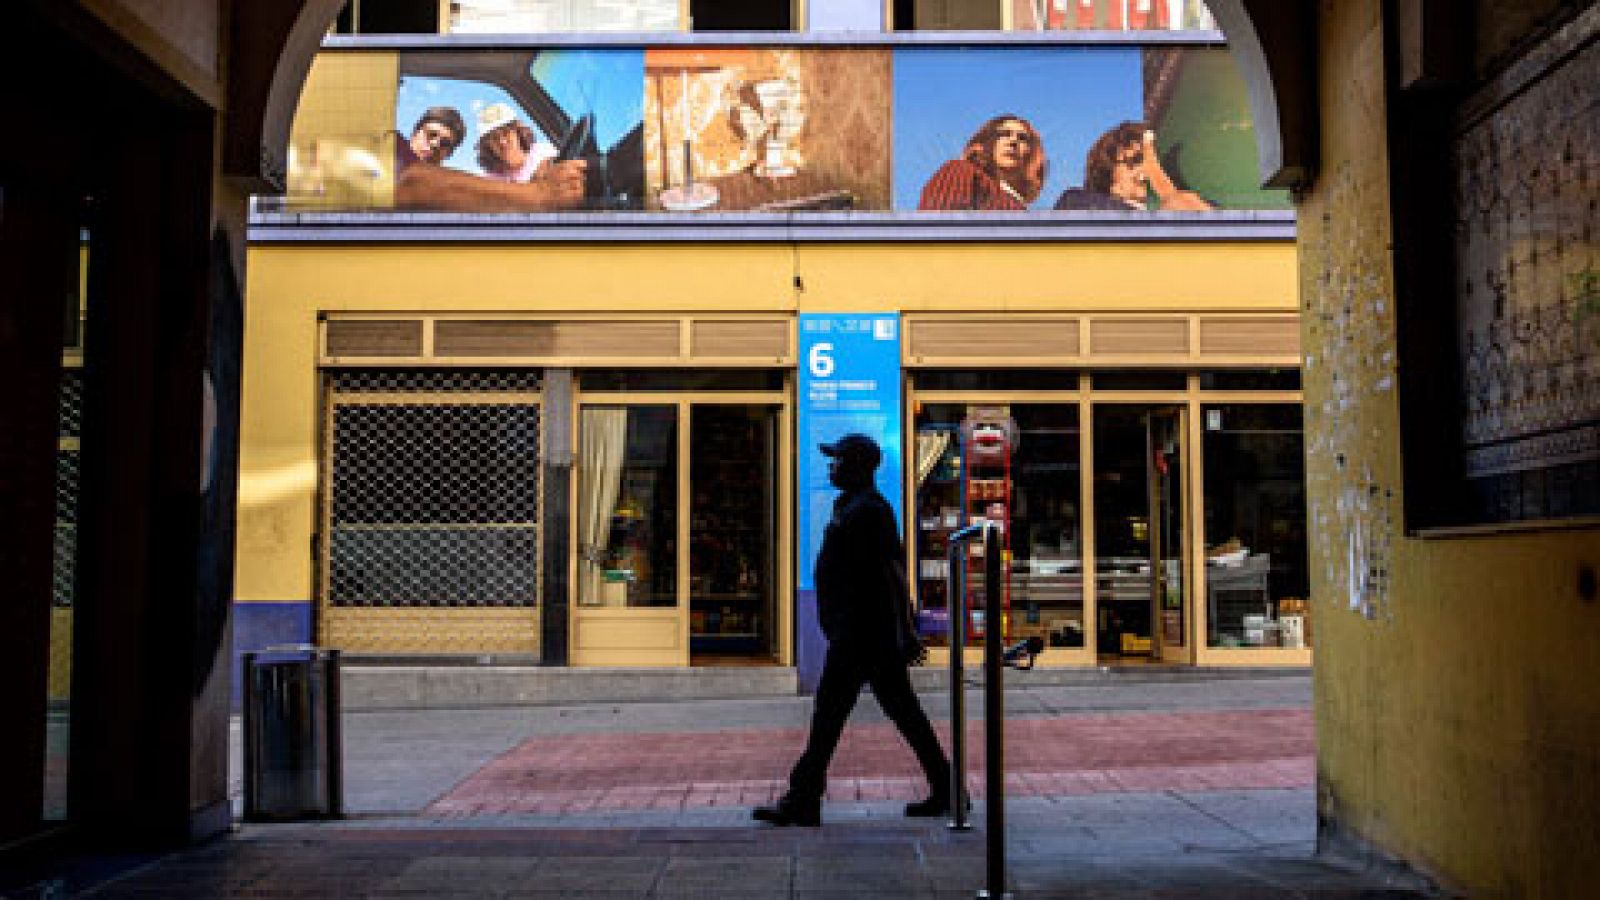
x=857 y=602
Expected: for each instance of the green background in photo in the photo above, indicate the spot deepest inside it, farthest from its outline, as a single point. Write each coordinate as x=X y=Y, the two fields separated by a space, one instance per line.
x=1205 y=135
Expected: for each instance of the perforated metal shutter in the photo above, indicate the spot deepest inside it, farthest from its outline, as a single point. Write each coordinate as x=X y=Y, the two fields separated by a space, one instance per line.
x=67 y=458
x=433 y=489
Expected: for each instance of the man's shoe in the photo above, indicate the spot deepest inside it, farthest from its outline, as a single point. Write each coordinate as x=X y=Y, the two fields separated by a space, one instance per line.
x=782 y=814
x=930 y=808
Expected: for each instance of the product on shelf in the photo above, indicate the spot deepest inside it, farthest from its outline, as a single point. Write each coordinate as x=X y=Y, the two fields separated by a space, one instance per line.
x=988 y=438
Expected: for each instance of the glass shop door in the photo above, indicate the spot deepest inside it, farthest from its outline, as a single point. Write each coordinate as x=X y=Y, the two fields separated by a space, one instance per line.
x=1140 y=534
x=681 y=530
x=734 y=566
x=1169 y=514
x=629 y=536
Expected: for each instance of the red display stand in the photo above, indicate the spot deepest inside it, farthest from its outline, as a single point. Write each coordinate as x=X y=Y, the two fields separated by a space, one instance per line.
x=986 y=492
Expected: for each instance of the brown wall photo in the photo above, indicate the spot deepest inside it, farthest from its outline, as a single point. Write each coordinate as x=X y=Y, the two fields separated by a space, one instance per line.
x=767 y=129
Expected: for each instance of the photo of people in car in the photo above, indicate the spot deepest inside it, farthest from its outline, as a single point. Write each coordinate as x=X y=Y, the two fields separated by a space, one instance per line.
x=519 y=131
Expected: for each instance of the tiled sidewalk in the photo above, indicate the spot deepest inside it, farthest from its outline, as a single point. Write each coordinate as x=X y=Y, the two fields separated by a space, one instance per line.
x=1045 y=757
x=1187 y=790
x=1204 y=846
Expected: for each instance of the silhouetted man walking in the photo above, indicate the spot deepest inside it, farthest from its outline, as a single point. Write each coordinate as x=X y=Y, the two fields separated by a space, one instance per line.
x=865 y=614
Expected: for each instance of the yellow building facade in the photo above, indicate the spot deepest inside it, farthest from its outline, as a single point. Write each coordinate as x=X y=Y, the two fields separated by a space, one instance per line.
x=649 y=369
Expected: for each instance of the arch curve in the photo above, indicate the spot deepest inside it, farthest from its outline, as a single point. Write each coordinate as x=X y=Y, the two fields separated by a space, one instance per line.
x=1274 y=44
x=272 y=47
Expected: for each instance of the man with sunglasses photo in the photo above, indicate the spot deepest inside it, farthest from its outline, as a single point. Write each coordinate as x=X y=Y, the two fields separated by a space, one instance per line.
x=422 y=181
x=438 y=132
x=1122 y=171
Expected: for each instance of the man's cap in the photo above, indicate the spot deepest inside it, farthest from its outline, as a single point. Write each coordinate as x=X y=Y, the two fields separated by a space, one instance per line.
x=855 y=448
x=493 y=116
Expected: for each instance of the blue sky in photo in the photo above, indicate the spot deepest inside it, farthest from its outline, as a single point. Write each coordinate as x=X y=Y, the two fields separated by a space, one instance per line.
x=943 y=94
x=609 y=83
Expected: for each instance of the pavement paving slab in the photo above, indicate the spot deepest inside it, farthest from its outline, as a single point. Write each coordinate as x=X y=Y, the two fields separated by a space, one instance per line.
x=1188 y=788
x=1134 y=753
x=867 y=855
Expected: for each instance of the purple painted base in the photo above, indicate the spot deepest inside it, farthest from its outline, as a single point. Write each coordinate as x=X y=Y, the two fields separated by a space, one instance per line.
x=259 y=625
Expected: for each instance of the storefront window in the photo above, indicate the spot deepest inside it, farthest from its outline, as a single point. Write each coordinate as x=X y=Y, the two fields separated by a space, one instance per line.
x=948 y=15
x=627 y=506
x=1052 y=15
x=1034 y=491
x=997 y=380
x=1115 y=380
x=681 y=380
x=1251 y=380
x=733 y=523
x=546 y=16
x=1110 y=15
x=388 y=17
x=1255 y=518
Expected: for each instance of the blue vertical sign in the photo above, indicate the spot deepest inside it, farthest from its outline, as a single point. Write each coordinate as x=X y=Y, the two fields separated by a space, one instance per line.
x=849 y=382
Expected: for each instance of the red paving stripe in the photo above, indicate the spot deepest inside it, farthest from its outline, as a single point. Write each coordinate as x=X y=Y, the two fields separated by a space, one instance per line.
x=1061 y=756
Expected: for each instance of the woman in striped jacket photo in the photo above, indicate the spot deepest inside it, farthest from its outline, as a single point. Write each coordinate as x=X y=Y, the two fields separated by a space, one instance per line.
x=1001 y=168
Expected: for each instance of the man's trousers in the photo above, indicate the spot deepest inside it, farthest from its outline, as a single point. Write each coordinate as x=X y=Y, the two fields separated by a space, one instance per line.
x=844 y=673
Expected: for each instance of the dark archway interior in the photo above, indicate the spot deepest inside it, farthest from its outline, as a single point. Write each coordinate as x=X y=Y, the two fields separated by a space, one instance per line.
x=119 y=160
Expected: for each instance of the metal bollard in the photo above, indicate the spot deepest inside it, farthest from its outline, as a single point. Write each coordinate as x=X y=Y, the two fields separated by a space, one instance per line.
x=994 y=717
x=995 y=659
x=957 y=579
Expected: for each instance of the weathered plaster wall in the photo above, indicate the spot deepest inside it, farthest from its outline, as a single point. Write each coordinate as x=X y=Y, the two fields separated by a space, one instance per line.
x=1458 y=720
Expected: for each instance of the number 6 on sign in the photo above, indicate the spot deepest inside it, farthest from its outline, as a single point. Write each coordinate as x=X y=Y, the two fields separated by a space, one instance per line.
x=820 y=360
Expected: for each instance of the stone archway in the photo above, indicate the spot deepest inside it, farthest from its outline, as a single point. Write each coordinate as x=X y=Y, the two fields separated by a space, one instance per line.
x=1276 y=44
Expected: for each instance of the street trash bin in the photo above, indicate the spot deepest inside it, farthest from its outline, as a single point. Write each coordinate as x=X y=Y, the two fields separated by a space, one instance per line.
x=292 y=749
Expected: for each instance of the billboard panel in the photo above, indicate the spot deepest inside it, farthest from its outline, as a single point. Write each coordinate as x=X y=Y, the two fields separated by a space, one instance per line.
x=767 y=128
x=779 y=129
x=1091 y=128
x=531 y=130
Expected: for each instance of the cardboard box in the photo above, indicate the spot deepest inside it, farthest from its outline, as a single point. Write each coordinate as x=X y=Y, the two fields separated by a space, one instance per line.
x=1021 y=630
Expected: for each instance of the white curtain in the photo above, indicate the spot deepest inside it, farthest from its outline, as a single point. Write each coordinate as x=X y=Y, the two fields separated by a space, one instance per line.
x=602 y=447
